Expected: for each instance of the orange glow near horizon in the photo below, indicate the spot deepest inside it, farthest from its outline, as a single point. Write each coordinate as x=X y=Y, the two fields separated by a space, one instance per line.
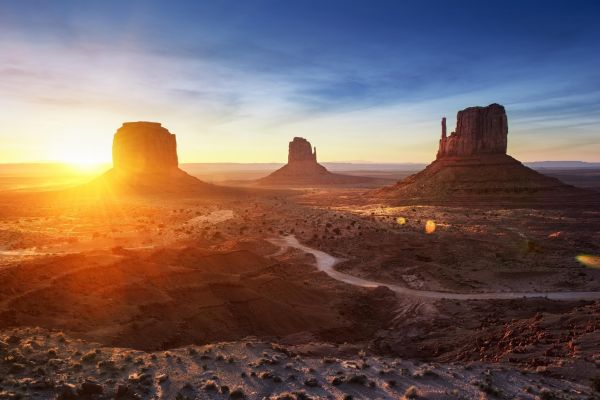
x=79 y=154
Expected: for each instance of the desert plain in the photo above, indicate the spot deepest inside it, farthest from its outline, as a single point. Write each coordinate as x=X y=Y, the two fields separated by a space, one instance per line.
x=207 y=296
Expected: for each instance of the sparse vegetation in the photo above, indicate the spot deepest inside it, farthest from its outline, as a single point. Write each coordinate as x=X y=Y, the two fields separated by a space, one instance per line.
x=411 y=393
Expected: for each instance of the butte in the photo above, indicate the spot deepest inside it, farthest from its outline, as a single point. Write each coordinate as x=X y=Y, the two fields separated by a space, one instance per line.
x=302 y=169
x=472 y=166
x=145 y=161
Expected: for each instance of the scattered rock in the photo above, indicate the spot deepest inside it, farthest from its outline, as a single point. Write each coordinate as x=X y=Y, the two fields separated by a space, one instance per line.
x=237 y=393
x=90 y=388
x=311 y=382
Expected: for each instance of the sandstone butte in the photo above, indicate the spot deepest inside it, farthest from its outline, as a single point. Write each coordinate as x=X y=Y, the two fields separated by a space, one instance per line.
x=145 y=161
x=472 y=165
x=144 y=147
x=302 y=169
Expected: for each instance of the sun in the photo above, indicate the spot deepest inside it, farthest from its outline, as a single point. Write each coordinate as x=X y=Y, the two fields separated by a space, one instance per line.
x=87 y=167
x=82 y=158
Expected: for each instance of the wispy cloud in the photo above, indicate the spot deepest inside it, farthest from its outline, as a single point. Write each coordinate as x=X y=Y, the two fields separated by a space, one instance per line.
x=264 y=69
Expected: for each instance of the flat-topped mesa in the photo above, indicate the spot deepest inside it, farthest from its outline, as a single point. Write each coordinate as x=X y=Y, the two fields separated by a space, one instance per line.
x=479 y=130
x=144 y=147
x=301 y=150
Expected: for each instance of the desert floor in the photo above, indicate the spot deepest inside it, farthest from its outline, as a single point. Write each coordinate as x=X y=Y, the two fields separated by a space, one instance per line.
x=199 y=296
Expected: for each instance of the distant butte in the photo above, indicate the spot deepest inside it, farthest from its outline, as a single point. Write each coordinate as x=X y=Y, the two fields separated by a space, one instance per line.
x=472 y=165
x=303 y=169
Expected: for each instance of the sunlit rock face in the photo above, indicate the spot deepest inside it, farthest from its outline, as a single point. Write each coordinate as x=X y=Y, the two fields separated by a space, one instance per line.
x=145 y=163
x=144 y=147
x=479 y=130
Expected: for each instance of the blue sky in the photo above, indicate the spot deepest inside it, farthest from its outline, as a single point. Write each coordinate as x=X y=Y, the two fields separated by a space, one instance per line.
x=236 y=80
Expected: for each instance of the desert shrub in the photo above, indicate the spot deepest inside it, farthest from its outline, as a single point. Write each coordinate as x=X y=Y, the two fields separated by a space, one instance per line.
x=311 y=382
x=358 y=379
x=411 y=393
x=488 y=388
x=595 y=383
x=210 y=385
x=546 y=394
x=89 y=356
x=237 y=393
x=284 y=396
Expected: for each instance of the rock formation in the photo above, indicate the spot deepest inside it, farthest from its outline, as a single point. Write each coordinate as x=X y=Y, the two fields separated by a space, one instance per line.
x=144 y=147
x=145 y=161
x=472 y=164
x=303 y=169
x=479 y=130
x=301 y=150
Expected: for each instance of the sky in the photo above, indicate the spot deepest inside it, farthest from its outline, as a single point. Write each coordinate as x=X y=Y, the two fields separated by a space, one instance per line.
x=237 y=80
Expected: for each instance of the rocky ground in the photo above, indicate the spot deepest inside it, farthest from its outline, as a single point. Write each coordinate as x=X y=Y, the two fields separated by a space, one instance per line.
x=157 y=283
x=37 y=363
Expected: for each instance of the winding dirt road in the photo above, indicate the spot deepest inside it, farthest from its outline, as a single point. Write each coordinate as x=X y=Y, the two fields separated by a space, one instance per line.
x=326 y=263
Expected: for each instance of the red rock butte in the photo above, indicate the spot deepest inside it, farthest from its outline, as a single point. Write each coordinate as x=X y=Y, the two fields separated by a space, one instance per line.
x=144 y=147
x=472 y=164
x=303 y=169
x=479 y=130
x=145 y=161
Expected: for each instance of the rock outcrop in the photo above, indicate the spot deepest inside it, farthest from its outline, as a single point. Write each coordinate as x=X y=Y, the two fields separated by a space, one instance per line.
x=479 y=130
x=472 y=165
x=303 y=169
x=301 y=150
x=145 y=162
x=144 y=147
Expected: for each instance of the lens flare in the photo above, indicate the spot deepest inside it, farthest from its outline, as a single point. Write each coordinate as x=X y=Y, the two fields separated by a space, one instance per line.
x=429 y=227
x=589 y=260
x=401 y=220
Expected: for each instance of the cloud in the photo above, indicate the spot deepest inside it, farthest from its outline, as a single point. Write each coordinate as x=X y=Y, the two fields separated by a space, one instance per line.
x=269 y=67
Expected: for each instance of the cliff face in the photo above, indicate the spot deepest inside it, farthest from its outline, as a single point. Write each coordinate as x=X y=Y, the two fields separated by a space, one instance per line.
x=479 y=130
x=145 y=163
x=303 y=169
x=472 y=166
x=144 y=147
x=300 y=150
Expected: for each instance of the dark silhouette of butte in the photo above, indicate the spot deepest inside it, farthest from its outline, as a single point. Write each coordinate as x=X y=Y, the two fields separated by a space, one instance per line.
x=303 y=169
x=145 y=160
x=472 y=164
